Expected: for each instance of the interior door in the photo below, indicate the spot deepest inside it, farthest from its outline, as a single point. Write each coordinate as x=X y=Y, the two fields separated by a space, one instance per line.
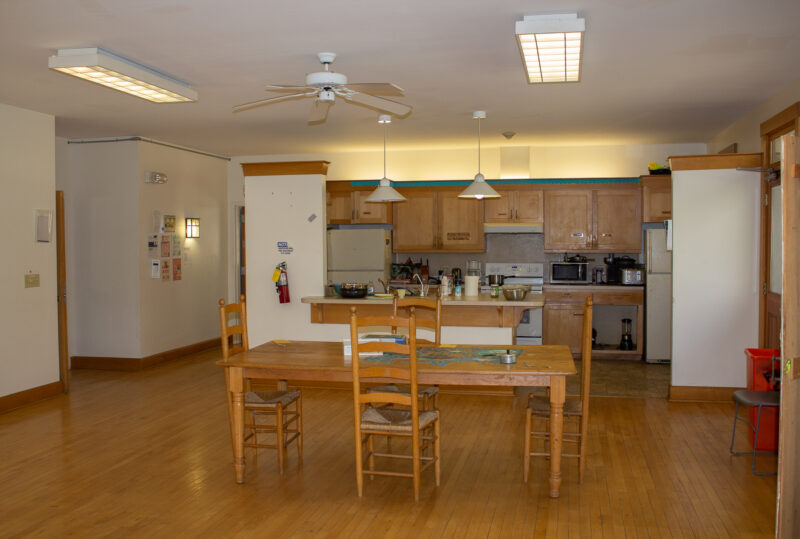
x=61 y=294
x=788 y=465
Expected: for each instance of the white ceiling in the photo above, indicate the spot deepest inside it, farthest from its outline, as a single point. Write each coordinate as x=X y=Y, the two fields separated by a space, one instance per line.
x=655 y=71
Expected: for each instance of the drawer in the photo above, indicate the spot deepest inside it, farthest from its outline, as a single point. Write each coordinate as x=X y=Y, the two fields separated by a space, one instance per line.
x=618 y=297
x=561 y=296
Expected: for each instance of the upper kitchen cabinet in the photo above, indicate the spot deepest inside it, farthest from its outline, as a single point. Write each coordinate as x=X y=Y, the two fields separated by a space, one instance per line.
x=522 y=206
x=437 y=221
x=346 y=207
x=656 y=198
x=599 y=220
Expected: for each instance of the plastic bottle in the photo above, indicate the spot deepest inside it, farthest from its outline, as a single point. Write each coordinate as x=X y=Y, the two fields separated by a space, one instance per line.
x=370 y=289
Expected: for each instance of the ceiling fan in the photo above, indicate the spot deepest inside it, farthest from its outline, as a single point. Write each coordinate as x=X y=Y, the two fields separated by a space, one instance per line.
x=325 y=85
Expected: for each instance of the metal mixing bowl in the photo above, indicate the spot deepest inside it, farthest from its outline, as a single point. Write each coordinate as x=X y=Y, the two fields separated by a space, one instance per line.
x=516 y=292
x=353 y=290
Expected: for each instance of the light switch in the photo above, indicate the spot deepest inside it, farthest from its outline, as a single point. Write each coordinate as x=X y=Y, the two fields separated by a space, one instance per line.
x=31 y=280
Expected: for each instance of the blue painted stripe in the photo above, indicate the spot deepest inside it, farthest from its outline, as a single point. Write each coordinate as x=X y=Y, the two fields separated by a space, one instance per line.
x=551 y=181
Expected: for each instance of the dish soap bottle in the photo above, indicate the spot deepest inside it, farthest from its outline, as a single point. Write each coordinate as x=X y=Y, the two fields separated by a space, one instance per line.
x=370 y=289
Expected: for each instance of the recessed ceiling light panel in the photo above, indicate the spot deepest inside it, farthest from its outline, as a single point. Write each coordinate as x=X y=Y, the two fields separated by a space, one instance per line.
x=118 y=73
x=551 y=47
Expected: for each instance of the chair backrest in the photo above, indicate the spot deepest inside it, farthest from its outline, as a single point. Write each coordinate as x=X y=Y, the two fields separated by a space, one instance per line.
x=231 y=326
x=429 y=309
x=586 y=354
x=385 y=373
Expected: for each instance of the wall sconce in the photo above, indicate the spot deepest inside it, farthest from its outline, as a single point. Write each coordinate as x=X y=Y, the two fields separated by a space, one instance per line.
x=192 y=227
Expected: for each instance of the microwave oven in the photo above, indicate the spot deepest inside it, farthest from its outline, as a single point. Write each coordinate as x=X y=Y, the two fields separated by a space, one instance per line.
x=570 y=273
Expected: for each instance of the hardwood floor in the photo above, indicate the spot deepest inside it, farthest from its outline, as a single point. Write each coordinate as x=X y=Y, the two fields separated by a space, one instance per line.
x=148 y=454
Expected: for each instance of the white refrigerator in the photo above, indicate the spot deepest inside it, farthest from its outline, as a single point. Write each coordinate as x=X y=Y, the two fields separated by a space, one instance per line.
x=359 y=255
x=658 y=297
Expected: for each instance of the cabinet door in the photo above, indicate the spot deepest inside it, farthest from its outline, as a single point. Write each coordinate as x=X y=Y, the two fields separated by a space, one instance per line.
x=339 y=207
x=528 y=206
x=370 y=212
x=618 y=220
x=499 y=210
x=460 y=223
x=415 y=222
x=567 y=220
x=563 y=324
x=656 y=199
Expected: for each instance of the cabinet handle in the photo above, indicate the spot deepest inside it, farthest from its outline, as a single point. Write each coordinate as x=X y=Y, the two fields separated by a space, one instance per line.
x=501 y=213
x=666 y=212
x=606 y=235
x=577 y=234
x=516 y=214
x=353 y=214
x=577 y=314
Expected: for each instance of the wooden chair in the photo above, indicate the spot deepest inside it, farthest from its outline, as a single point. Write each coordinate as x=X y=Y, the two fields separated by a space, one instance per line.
x=432 y=319
x=373 y=416
x=281 y=411
x=576 y=409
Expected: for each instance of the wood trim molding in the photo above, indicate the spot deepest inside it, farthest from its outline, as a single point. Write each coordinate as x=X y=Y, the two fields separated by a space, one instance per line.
x=285 y=168
x=701 y=394
x=136 y=363
x=28 y=396
x=714 y=161
x=785 y=117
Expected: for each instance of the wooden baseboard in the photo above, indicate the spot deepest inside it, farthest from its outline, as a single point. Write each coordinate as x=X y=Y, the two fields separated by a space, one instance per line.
x=139 y=363
x=701 y=394
x=15 y=400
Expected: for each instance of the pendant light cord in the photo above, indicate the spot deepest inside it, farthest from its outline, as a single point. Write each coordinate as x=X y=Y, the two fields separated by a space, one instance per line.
x=385 y=130
x=479 y=145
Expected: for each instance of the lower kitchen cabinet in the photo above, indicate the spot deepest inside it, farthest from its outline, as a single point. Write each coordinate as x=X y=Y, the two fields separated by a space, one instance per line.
x=562 y=318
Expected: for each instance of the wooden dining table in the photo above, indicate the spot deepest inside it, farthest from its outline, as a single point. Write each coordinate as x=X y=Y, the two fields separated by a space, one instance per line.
x=316 y=361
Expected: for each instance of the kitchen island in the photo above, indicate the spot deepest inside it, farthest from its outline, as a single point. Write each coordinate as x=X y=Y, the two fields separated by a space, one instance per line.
x=480 y=311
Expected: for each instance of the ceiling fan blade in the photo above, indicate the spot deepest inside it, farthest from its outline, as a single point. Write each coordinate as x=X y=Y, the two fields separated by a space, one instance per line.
x=261 y=102
x=384 y=105
x=319 y=111
x=287 y=88
x=375 y=88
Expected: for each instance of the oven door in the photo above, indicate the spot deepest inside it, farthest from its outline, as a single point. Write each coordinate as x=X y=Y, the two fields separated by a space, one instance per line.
x=529 y=330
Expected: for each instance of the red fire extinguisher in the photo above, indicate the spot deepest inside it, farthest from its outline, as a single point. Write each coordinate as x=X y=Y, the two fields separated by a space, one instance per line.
x=281 y=282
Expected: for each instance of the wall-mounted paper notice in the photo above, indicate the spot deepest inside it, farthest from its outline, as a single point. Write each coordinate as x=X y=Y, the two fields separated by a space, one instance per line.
x=155 y=268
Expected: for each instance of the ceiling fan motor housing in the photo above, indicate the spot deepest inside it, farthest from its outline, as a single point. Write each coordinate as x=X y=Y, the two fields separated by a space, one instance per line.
x=326 y=96
x=325 y=79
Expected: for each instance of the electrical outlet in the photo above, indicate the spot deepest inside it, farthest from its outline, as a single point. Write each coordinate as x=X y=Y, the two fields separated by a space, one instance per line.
x=31 y=280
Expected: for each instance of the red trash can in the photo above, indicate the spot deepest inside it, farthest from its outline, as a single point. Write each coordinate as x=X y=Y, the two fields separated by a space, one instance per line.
x=763 y=374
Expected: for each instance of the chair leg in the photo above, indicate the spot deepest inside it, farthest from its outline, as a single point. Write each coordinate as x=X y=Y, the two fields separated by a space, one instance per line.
x=526 y=464
x=371 y=454
x=735 y=420
x=437 y=464
x=299 y=423
x=415 y=461
x=280 y=437
x=359 y=463
x=582 y=448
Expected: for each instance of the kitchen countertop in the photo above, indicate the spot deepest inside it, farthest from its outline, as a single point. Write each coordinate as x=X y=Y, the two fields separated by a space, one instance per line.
x=482 y=300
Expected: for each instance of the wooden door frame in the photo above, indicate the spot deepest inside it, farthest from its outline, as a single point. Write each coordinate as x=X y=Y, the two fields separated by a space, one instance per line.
x=61 y=293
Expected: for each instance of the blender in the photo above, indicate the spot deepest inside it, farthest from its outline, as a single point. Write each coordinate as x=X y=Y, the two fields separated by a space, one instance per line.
x=626 y=343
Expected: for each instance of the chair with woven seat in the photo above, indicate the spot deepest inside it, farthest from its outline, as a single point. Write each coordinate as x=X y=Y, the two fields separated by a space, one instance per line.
x=576 y=409
x=278 y=412
x=373 y=411
x=431 y=319
x=759 y=399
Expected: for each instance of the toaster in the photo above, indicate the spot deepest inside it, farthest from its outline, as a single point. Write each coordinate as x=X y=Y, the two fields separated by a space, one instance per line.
x=631 y=276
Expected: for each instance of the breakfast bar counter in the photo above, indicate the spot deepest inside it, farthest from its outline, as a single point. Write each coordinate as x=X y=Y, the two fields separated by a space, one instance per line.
x=480 y=311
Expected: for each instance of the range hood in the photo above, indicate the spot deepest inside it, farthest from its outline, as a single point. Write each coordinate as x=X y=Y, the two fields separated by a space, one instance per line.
x=513 y=228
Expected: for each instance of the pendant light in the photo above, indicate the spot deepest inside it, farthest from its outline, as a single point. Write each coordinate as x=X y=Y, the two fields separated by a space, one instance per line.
x=385 y=192
x=479 y=189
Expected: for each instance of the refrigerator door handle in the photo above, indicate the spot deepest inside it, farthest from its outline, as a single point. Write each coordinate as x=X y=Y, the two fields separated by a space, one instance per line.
x=668 y=226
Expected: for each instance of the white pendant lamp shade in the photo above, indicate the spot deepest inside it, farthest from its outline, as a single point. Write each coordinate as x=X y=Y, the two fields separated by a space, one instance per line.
x=385 y=192
x=479 y=189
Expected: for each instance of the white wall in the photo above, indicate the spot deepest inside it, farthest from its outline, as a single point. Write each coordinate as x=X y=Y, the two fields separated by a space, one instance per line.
x=173 y=314
x=746 y=130
x=278 y=209
x=101 y=197
x=29 y=319
x=715 y=276
x=115 y=309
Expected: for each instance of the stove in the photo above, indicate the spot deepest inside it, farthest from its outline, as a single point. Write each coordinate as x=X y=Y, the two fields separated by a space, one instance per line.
x=529 y=330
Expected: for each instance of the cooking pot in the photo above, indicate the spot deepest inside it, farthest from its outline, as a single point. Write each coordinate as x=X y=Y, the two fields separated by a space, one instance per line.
x=353 y=290
x=493 y=280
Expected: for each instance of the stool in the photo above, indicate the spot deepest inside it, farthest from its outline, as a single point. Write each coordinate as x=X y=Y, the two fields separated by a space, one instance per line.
x=761 y=399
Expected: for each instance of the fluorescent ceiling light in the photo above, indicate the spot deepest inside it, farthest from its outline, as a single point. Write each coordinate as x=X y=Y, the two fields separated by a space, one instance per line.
x=551 y=47
x=108 y=69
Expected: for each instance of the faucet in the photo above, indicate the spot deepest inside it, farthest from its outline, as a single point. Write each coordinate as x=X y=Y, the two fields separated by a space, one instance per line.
x=383 y=284
x=422 y=291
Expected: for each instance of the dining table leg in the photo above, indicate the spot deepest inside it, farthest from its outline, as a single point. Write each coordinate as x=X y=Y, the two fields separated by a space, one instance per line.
x=235 y=382
x=557 y=397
